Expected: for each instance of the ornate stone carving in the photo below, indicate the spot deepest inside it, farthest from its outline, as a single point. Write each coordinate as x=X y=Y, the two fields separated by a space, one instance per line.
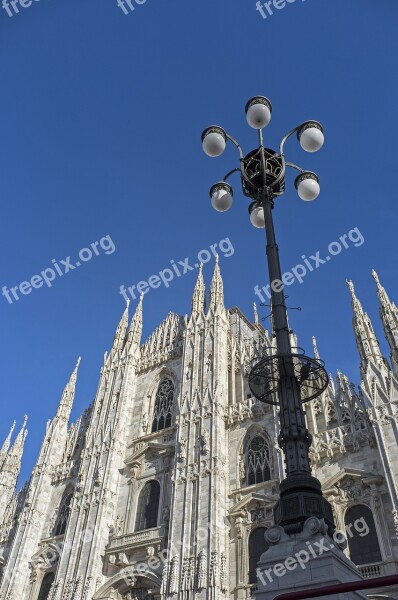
x=78 y=589
x=214 y=569
x=395 y=516
x=68 y=590
x=57 y=594
x=258 y=515
x=352 y=489
x=173 y=586
x=165 y=578
x=223 y=573
x=137 y=594
x=202 y=570
x=188 y=573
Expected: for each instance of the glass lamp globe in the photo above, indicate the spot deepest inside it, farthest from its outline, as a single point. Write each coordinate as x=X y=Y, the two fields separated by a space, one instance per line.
x=311 y=136
x=258 y=112
x=214 y=140
x=221 y=195
x=257 y=217
x=307 y=186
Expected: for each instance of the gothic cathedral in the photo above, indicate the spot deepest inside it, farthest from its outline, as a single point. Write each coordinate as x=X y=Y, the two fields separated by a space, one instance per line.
x=164 y=487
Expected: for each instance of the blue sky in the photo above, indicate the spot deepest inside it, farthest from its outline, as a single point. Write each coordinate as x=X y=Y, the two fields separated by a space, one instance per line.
x=100 y=122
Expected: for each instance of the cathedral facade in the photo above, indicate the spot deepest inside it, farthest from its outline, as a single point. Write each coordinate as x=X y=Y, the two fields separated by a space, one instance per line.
x=165 y=486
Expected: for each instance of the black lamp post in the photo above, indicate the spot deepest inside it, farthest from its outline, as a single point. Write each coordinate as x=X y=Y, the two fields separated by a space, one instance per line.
x=288 y=374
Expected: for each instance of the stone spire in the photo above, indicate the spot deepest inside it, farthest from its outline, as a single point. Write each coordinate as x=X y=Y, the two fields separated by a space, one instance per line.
x=11 y=467
x=6 y=446
x=255 y=313
x=18 y=446
x=135 y=331
x=122 y=328
x=216 y=289
x=199 y=294
x=368 y=346
x=389 y=317
x=68 y=396
x=315 y=346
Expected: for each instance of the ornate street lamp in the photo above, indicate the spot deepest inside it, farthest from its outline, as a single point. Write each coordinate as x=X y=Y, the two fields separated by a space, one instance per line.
x=287 y=375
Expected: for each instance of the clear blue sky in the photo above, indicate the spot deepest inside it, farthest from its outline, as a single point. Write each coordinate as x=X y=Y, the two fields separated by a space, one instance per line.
x=100 y=119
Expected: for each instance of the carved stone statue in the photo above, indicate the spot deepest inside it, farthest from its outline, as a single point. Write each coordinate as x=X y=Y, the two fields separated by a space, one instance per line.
x=205 y=442
x=144 y=424
x=242 y=469
x=166 y=514
x=183 y=448
x=188 y=374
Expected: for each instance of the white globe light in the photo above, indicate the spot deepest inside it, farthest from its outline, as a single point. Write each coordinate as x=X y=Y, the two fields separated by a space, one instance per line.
x=258 y=116
x=257 y=217
x=308 y=187
x=221 y=197
x=214 y=141
x=258 y=112
x=311 y=138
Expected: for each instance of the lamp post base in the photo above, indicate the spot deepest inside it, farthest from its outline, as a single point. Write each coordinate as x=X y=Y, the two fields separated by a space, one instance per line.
x=301 y=498
x=304 y=560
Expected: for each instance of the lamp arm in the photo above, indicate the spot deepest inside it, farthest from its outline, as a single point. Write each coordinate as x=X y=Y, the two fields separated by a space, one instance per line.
x=293 y=166
x=239 y=147
x=228 y=175
x=288 y=135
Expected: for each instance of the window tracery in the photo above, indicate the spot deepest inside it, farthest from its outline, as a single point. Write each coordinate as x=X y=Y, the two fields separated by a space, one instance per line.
x=164 y=401
x=257 y=461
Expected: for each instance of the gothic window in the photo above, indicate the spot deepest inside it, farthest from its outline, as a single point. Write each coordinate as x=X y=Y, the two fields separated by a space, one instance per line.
x=257 y=461
x=257 y=545
x=46 y=586
x=148 y=506
x=63 y=516
x=163 y=406
x=363 y=543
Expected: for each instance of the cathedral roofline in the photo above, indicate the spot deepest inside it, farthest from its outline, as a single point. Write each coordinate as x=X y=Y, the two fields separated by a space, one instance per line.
x=235 y=310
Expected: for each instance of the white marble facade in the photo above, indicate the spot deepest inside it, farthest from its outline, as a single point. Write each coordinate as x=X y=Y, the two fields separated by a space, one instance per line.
x=163 y=488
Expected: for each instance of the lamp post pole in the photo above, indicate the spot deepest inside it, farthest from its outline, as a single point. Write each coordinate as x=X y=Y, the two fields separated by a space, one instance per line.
x=288 y=375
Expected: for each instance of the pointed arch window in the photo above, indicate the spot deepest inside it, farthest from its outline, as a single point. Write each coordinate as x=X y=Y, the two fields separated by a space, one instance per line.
x=363 y=542
x=257 y=545
x=63 y=515
x=257 y=461
x=148 y=506
x=47 y=582
x=163 y=406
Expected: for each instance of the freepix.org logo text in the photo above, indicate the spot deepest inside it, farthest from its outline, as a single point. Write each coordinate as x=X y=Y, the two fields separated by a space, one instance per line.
x=267 y=9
